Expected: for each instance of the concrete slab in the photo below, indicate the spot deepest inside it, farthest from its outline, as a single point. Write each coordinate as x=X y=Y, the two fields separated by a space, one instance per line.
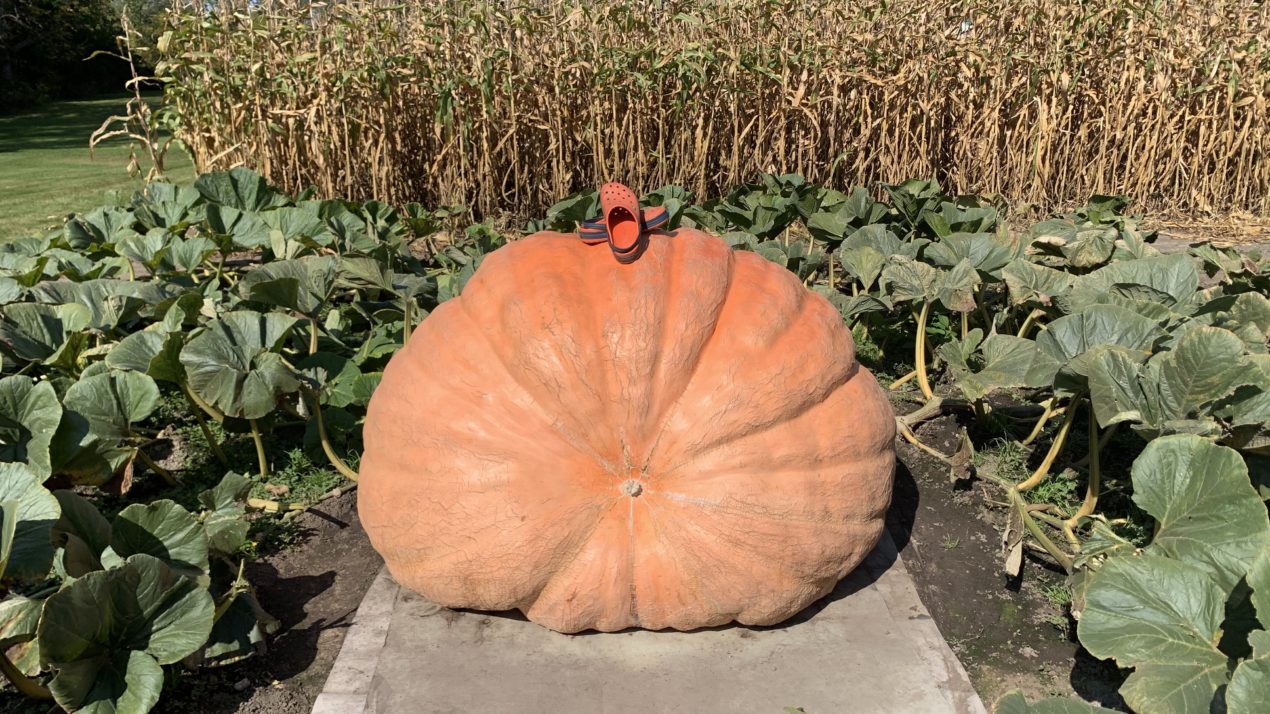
x=869 y=646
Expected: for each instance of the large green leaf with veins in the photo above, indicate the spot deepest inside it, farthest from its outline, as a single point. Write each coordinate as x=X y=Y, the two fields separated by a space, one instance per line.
x=905 y=279
x=1206 y=366
x=1207 y=512
x=29 y=512
x=1007 y=362
x=49 y=334
x=29 y=415
x=234 y=366
x=1161 y=617
x=302 y=284
x=984 y=253
x=1063 y=343
x=162 y=529
x=1171 y=278
x=1029 y=282
x=240 y=188
x=113 y=401
x=106 y=635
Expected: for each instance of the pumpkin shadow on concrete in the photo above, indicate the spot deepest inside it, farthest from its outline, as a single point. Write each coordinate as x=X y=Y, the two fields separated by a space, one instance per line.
x=899 y=524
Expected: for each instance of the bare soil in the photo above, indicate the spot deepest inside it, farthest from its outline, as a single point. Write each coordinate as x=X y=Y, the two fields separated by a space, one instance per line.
x=314 y=588
x=1007 y=633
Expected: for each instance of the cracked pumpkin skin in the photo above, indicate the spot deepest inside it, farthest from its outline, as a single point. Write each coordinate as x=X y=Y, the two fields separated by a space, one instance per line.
x=676 y=443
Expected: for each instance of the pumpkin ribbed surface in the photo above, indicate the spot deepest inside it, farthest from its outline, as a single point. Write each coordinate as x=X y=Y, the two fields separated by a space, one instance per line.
x=676 y=443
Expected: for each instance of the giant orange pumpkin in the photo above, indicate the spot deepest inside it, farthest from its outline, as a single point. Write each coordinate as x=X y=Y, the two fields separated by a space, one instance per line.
x=677 y=442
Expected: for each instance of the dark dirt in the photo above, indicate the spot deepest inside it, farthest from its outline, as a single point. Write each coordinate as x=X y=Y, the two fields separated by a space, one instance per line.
x=1007 y=633
x=314 y=588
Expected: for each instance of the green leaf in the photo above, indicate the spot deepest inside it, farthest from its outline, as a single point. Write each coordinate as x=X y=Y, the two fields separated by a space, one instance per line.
x=1029 y=282
x=51 y=334
x=1205 y=366
x=82 y=532
x=1161 y=617
x=224 y=523
x=1071 y=336
x=1114 y=388
x=189 y=253
x=148 y=249
x=233 y=364
x=303 y=284
x=244 y=229
x=106 y=633
x=29 y=415
x=112 y=402
x=101 y=226
x=1207 y=511
x=956 y=288
x=19 y=621
x=1249 y=689
x=980 y=249
x=1100 y=325
x=240 y=188
x=864 y=263
x=29 y=513
x=1259 y=580
x=1090 y=246
x=151 y=352
x=1007 y=362
x=1174 y=277
x=110 y=303
x=906 y=279
x=1015 y=703
x=162 y=529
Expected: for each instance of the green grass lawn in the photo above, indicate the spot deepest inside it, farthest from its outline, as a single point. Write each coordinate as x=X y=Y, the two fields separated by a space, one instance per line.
x=46 y=170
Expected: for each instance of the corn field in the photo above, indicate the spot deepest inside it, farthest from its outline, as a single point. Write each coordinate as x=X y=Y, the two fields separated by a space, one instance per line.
x=504 y=105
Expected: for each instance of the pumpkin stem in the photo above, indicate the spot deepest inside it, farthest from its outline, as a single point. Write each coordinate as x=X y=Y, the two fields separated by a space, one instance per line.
x=260 y=448
x=1043 y=470
x=1094 y=485
x=339 y=464
x=24 y=684
x=920 y=354
x=1030 y=523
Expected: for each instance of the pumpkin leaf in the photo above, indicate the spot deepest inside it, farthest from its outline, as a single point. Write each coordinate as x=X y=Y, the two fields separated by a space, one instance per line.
x=152 y=352
x=29 y=414
x=864 y=263
x=106 y=634
x=1161 y=617
x=29 y=512
x=1172 y=279
x=223 y=523
x=956 y=287
x=905 y=279
x=1249 y=688
x=112 y=401
x=302 y=284
x=1207 y=512
x=240 y=188
x=48 y=334
x=233 y=364
x=979 y=249
x=162 y=529
x=1068 y=338
x=1007 y=362
x=82 y=533
x=243 y=229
